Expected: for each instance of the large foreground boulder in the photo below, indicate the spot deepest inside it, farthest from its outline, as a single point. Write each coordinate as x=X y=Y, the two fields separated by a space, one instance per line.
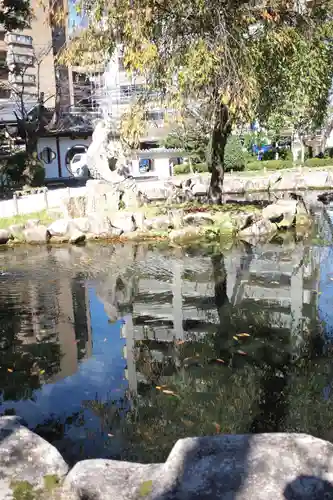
x=25 y=459
x=242 y=467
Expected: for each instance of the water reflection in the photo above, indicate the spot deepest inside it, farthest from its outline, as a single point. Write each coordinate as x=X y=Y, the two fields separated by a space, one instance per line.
x=119 y=351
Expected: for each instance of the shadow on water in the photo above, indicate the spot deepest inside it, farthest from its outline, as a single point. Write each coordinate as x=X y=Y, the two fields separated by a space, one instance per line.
x=120 y=351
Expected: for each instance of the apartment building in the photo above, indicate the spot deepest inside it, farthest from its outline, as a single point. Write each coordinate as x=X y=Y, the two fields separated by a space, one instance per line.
x=26 y=65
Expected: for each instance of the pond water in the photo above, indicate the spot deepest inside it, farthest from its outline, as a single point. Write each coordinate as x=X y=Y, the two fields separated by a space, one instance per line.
x=118 y=351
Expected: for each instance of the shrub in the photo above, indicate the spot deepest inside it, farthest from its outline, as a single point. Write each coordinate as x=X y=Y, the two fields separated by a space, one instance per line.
x=234 y=157
x=200 y=167
x=269 y=165
x=183 y=168
x=319 y=162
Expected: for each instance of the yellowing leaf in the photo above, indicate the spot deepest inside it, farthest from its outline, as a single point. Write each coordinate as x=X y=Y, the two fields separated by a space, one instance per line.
x=235 y=338
x=146 y=488
x=42 y=372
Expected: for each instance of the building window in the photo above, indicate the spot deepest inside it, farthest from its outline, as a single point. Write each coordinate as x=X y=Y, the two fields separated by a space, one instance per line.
x=47 y=155
x=78 y=148
x=145 y=165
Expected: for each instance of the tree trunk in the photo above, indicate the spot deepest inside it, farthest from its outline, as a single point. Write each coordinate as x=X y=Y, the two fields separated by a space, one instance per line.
x=218 y=141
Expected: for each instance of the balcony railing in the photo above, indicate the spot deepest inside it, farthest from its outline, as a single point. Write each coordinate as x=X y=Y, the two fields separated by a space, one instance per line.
x=23 y=59
x=18 y=39
x=22 y=79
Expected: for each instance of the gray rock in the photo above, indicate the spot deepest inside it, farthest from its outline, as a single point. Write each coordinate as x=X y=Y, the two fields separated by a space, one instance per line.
x=32 y=223
x=139 y=218
x=24 y=456
x=124 y=221
x=199 y=219
x=282 y=212
x=131 y=199
x=199 y=189
x=82 y=224
x=162 y=222
x=16 y=231
x=116 y=480
x=76 y=236
x=247 y=467
x=234 y=184
x=4 y=236
x=185 y=234
x=59 y=227
x=36 y=235
x=258 y=229
x=243 y=220
x=100 y=226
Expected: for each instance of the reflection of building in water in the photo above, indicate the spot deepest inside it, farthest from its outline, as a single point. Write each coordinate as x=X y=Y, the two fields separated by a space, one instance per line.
x=73 y=325
x=56 y=311
x=179 y=301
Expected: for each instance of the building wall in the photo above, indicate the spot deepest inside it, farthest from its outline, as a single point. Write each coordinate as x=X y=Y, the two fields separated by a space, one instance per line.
x=60 y=151
x=38 y=77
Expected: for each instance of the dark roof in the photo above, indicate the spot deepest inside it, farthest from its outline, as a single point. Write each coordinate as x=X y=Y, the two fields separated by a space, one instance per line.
x=81 y=123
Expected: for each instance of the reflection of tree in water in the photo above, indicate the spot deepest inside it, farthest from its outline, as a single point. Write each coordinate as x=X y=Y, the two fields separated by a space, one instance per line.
x=23 y=365
x=225 y=383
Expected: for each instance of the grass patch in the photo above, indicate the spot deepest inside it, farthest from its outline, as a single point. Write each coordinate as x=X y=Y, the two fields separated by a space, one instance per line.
x=44 y=217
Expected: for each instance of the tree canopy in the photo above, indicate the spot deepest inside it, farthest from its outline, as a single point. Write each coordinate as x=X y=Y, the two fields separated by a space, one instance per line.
x=238 y=59
x=15 y=14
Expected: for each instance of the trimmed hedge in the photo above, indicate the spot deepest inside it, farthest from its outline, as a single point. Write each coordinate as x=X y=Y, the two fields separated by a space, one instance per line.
x=259 y=165
x=319 y=162
x=282 y=164
x=185 y=168
x=269 y=165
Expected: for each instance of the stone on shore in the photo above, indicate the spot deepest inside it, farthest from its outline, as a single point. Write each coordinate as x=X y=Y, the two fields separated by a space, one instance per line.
x=247 y=467
x=16 y=231
x=124 y=221
x=36 y=235
x=25 y=457
x=185 y=235
x=162 y=222
x=76 y=237
x=59 y=227
x=4 y=236
x=260 y=228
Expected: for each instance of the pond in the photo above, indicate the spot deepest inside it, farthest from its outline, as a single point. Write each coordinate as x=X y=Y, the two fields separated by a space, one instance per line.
x=118 y=351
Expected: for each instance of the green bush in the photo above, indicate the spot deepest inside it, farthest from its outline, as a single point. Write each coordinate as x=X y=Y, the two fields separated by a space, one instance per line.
x=269 y=165
x=319 y=162
x=185 y=168
x=234 y=157
x=200 y=167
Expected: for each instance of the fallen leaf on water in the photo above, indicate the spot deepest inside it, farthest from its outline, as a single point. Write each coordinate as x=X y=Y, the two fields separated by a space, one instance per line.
x=10 y=370
x=243 y=335
x=146 y=488
x=171 y=393
x=242 y=353
x=234 y=337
